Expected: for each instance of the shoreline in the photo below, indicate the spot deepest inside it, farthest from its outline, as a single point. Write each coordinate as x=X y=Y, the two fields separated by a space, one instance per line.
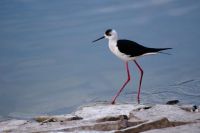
x=104 y=117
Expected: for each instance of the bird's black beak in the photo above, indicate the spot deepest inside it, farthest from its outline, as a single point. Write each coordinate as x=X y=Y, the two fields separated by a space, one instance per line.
x=99 y=39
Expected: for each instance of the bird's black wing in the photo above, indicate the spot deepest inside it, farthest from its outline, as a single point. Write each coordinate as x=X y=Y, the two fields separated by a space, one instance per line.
x=133 y=49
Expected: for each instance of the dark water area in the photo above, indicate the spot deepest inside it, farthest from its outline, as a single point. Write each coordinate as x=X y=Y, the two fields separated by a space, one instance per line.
x=48 y=64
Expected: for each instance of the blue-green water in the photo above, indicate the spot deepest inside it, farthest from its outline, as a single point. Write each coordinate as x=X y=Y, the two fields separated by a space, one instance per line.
x=49 y=65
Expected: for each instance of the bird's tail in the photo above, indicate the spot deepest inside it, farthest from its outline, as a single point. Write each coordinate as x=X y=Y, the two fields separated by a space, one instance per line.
x=158 y=50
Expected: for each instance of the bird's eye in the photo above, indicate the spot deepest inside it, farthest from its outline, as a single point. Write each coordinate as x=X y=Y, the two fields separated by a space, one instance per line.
x=108 y=32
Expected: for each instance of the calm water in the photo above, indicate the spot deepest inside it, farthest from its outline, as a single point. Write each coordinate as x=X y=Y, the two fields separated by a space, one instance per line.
x=49 y=65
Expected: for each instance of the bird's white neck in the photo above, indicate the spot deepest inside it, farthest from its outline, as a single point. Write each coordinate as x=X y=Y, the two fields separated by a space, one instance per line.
x=112 y=45
x=112 y=42
x=113 y=39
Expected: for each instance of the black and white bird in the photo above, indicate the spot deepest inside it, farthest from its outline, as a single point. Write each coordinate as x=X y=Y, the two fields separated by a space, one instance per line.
x=128 y=50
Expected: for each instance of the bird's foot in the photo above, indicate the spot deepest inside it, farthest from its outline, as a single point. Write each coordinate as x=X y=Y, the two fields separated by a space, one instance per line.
x=113 y=102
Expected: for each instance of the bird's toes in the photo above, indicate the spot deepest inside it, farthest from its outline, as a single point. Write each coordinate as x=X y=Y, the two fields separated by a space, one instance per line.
x=113 y=102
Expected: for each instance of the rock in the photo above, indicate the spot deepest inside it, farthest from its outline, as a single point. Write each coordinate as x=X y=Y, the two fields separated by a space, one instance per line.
x=142 y=108
x=190 y=108
x=153 y=124
x=103 y=110
x=172 y=102
x=113 y=118
x=172 y=112
x=187 y=128
x=57 y=118
x=9 y=125
x=102 y=126
x=119 y=118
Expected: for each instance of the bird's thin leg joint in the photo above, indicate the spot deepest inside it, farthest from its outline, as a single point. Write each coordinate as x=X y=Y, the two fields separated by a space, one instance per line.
x=120 y=90
x=141 y=75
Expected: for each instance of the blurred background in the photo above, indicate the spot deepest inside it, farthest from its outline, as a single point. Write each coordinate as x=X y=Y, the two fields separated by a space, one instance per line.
x=48 y=64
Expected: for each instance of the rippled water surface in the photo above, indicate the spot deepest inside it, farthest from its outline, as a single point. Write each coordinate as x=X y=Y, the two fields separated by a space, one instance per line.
x=48 y=64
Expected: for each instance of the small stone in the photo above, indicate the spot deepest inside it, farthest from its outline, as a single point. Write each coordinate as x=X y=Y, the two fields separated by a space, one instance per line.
x=112 y=118
x=172 y=102
x=190 y=108
x=143 y=108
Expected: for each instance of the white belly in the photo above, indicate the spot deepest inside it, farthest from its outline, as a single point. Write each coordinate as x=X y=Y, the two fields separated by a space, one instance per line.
x=114 y=49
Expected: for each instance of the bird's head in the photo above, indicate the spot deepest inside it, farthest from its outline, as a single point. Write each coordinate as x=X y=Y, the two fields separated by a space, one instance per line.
x=110 y=34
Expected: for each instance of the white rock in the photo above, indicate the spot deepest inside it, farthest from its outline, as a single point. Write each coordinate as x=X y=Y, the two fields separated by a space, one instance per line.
x=172 y=112
x=100 y=111
x=189 y=128
x=11 y=124
x=94 y=112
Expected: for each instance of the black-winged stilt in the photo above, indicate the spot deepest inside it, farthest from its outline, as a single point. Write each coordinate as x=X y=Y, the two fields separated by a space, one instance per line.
x=128 y=51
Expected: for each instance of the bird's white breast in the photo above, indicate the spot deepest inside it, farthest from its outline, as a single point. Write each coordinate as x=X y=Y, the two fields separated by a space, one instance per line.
x=114 y=49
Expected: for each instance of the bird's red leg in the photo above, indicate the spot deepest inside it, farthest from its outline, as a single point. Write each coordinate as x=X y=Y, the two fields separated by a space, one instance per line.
x=120 y=90
x=141 y=75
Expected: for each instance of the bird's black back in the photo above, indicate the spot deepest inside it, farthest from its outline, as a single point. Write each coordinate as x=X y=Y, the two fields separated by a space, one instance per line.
x=133 y=49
